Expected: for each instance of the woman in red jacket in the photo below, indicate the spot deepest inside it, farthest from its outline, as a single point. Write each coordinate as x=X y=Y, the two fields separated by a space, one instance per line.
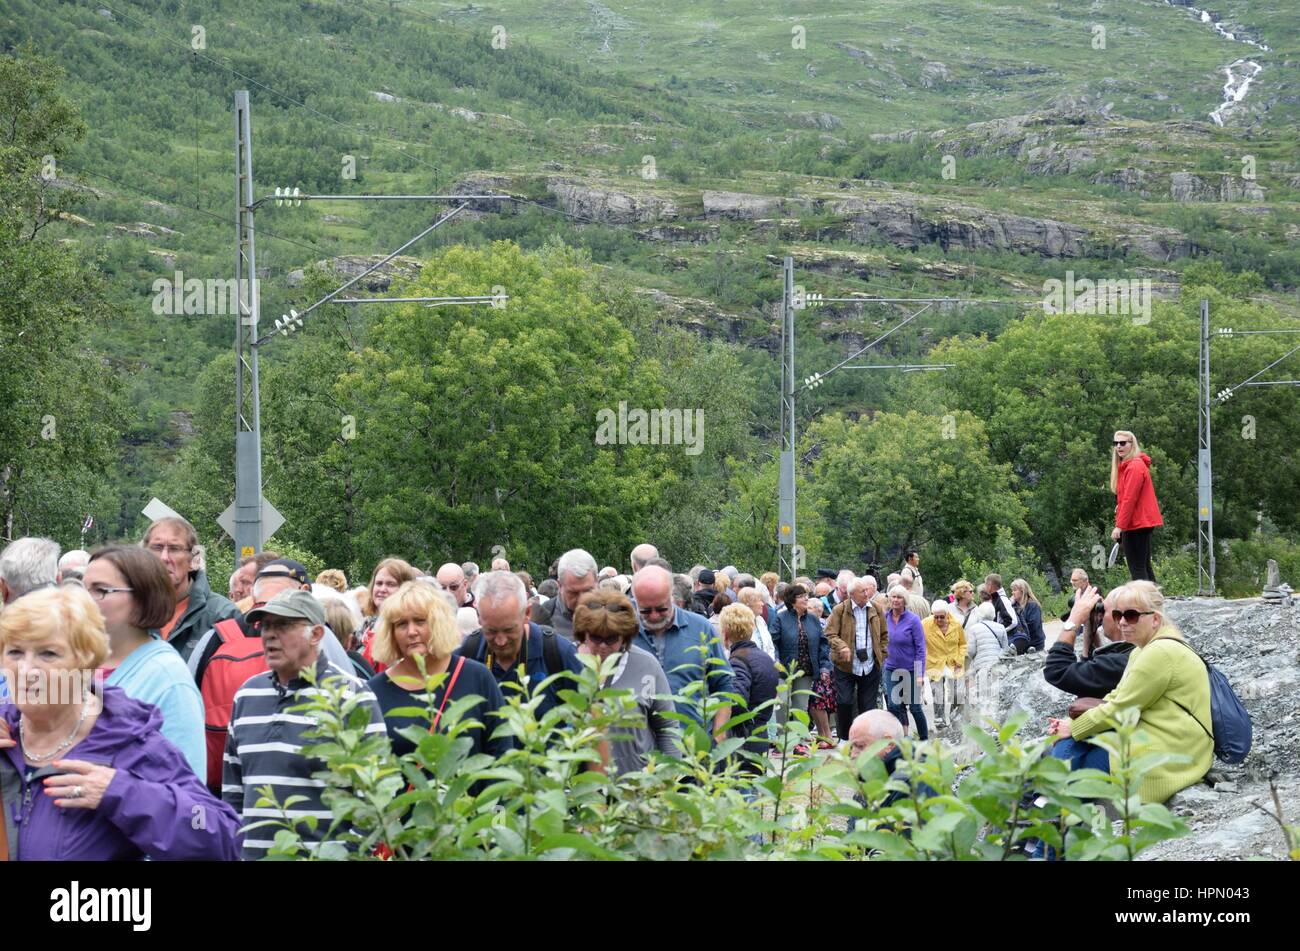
x=1136 y=511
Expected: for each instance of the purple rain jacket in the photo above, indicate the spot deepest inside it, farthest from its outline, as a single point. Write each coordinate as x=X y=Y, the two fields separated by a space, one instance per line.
x=153 y=806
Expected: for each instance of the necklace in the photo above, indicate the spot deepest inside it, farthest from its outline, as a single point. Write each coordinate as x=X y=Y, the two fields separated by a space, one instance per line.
x=22 y=734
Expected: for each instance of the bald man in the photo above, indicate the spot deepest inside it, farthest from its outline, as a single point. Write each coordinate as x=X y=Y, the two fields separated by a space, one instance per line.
x=869 y=728
x=872 y=726
x=642 y=554
x=452 y=577
x=674 y=637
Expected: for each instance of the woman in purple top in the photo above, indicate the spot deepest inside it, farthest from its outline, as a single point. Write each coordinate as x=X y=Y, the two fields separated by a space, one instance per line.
x=905 y=662
x=89 y=775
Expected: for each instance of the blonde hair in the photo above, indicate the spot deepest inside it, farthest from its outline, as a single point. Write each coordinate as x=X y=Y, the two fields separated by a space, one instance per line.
x=66 y=611
x=737 y=622
x=1147 y=597
x=422 y=600
x=960 y=585
x=334 y=578
x=769 y=579
x=1029 y=592
x=1133 y=450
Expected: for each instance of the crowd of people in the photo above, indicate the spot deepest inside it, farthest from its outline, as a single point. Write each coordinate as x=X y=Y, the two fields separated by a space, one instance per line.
x=142 y=713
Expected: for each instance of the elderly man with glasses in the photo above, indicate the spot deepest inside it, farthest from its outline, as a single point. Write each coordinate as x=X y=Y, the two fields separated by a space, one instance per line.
x=685 y=645
x=577 y=574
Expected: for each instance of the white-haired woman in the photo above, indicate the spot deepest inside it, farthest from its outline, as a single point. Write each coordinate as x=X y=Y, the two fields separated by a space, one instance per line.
x=905 y=661
x=986 y=644
x=1137 y=513
x=945 y=657
x=752 y=598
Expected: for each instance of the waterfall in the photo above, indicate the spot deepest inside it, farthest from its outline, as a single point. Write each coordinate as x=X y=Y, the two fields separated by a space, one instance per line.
x=1241 y=73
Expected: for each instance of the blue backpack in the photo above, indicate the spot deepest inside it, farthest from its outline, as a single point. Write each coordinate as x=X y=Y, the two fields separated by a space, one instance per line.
x=1232 y=729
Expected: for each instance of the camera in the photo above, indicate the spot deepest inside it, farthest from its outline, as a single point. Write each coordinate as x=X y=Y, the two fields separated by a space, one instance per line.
x=864 y=654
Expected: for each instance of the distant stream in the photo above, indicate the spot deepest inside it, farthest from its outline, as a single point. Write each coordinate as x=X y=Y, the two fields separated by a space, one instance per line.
x=1241 y=73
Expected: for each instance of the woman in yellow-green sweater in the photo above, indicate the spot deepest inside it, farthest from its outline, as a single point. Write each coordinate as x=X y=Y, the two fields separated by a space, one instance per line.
x=1167 y=682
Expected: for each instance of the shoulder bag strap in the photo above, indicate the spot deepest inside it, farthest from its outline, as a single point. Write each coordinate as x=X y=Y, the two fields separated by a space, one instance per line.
x=460 y=662
x=1207 y=671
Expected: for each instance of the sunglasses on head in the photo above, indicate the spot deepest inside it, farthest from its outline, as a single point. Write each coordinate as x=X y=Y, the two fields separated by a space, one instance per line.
x=1131 y=615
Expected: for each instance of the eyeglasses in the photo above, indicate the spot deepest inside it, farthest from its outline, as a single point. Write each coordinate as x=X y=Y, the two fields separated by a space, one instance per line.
x=99 y=592
x=1121 y=442
x=647 y=611
x=609 y=639
x=174 y=550
x=1131 y=615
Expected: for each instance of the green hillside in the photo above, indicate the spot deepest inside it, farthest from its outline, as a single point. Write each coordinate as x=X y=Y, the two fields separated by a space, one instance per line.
x=898 y=63
x=955 y=148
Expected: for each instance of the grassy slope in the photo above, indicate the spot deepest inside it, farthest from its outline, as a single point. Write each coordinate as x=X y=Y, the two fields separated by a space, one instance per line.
x=713 y=90
x=1001 y=58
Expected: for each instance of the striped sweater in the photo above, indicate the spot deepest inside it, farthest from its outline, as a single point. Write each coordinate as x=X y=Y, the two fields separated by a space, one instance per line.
x=264 y=747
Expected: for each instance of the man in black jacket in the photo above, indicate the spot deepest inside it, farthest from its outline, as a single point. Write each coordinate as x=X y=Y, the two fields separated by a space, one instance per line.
x=1100 y=670
x=702 y=599
x=870 y=728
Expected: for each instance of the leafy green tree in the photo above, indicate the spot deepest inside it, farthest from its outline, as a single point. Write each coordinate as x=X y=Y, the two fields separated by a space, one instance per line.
x=706 y=377
x=1052 y=389
x=437 y=432
x=909 y=481
x=59 y=400
x=478 y=426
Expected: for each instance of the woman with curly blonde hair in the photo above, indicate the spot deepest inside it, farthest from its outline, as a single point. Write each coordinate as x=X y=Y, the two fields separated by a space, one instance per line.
x=414 y=640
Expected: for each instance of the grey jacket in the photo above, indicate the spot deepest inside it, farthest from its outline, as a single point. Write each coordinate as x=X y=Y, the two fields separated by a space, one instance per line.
x=985 y=642
x=554 y=614
x=642 y=675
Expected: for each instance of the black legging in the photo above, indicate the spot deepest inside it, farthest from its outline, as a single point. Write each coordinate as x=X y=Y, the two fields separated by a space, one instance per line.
x=1137 y=552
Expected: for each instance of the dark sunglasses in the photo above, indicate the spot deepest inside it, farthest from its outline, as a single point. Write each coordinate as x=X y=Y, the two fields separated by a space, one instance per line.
x=1131 y=615
x=1121 y=442
x=609 y=639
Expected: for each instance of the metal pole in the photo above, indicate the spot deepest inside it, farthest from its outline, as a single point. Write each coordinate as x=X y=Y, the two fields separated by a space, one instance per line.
x=1205 y=470
x=248 y=414
x=787 y=534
